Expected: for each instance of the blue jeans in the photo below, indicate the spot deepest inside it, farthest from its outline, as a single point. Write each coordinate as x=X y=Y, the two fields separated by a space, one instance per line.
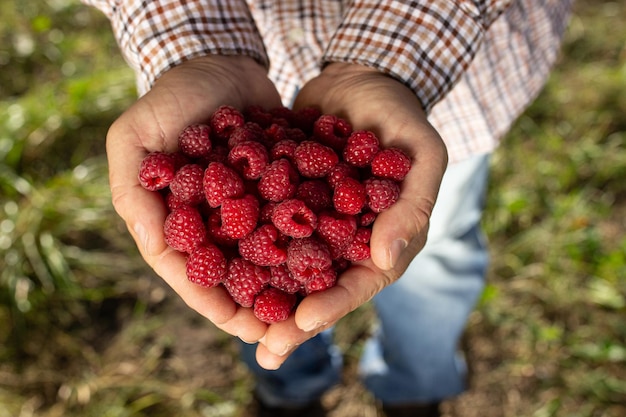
x=413 y=355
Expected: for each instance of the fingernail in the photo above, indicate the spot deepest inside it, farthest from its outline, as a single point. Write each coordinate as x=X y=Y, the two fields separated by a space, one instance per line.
x=289 y=348
x=397 y=246
x=142 y=235
x=314 y=326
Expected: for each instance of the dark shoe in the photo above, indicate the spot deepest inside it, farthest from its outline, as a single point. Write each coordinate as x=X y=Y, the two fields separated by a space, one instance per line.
x=314 y=409
x=412 y=410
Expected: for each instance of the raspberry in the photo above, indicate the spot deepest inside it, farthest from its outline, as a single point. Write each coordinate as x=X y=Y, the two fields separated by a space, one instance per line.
x=367 y=218
x=249 y=131
x=316 y=194
x=187 y=184
x=307 y=257
x=265 y=214
x=332 y=131
x=357 y=251
x=221 y=182
x=225 y=120
x=206 y=266
x=239 y=216
x=293 y=218
x=258 y=115
x=279 y=181
x=305 y=118
x=274 y=134
x=282 y=279
x=360 y=149
x=194 y=141
x=218 y=154
x=259 y=247
x=295 y=134
x=244 y=280
x=322 y=281
x=349 y=196
x=337 y=230
x=283 y=149
x=250 y=158
x=273 y=305
x=314 y=160
x=339 y=172
x=381 y=193
x=283 y=113
x=217 y=233
x=157 y=171
x=391 y=163
x=172 y=202
x=184 y=229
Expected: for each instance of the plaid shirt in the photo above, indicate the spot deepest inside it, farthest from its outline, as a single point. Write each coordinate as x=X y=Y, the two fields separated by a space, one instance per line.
x=474 y=64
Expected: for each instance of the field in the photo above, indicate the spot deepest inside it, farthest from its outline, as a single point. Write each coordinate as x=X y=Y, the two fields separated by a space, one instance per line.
x=88 y=330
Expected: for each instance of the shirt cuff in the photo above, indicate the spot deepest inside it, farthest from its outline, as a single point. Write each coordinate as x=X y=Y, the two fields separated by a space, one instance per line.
x=427 y=45
x=155 y=36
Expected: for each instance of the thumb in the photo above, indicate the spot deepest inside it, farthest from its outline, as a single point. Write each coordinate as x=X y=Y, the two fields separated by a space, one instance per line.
x=400 y=232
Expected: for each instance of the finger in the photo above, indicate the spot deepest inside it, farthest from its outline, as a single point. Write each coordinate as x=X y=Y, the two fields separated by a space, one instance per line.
x=354 y=287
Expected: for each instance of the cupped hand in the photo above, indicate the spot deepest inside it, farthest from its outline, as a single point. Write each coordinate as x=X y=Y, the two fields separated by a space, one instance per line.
x=374 y=101
x=186 y=94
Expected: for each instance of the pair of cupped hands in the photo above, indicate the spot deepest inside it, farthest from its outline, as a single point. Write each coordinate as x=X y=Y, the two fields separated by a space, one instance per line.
x=368 y=99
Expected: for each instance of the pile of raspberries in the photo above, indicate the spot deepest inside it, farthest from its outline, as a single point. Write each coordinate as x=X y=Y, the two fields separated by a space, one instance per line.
x=273 y=204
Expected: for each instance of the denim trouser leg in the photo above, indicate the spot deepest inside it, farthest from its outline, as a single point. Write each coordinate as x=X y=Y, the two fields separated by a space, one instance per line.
x=413 y=357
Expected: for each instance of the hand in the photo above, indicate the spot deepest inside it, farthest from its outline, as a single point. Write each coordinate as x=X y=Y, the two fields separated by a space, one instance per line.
x=369 y=100
x=184 y=95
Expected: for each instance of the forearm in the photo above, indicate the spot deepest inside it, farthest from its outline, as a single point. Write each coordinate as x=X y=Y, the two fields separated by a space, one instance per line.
x=155 y=36
x=424 y=44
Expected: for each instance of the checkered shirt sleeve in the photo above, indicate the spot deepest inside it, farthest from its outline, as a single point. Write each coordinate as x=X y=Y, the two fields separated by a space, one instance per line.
x=425 y=44
x=157 y=35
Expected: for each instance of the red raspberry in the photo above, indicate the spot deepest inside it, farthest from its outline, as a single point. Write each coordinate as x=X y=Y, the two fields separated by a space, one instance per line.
x=339 y=172
x=157 y=171
x=305 y=118
x=194 y=141
x=172 y=202
x=274 y=134
x=361 y=147
x=307 y=257
x=265 y=215
x=282 y=113
x=349 y=196
x=279 y=181
x=218 y=154
x=258 y=115
x=322 y=281
x=337 y=230
x=283 y=149
x=391 y=163
x=250 y=158
x=293 y=218
x=249 y=131
x=206 y=266
x=381 y=193
x=187 y=184
x=357 y=251
x=244 y=280
x=221 y=182
x=260 y=248
x=225 y=120
x=273 y=305
x=239 y=216
x=332 y=131
x=282 y=279
x=367 y=218
x=295 y=134
x=316 y=194
x=363 y=235
x=184 y=229
x=217 y=233
x=314 y=160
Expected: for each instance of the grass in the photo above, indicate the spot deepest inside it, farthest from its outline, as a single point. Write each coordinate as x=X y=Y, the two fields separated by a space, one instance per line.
x=89 y=331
